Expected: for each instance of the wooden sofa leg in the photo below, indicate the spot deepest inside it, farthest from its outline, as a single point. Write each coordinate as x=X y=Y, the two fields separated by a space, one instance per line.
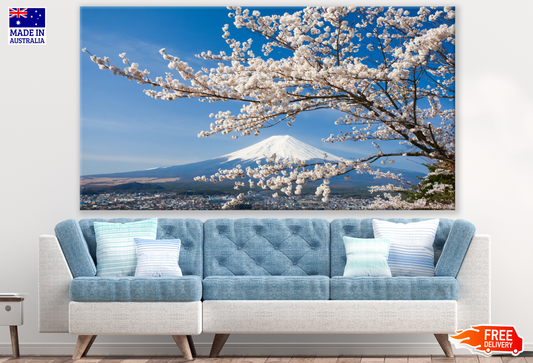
x=445 y=344
x=183 y=345
x=13 y=331
x=191 y=346
x=218 y=344
x=83 y=345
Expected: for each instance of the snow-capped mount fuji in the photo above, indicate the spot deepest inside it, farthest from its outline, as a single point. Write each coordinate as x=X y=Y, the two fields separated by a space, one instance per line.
x=284 y=146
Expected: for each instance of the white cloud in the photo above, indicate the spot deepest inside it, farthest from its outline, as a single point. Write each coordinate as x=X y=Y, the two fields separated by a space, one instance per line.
x=155 y=161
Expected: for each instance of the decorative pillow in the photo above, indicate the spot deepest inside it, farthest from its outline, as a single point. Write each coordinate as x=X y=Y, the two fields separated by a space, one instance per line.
x=116 y=254
x=158 y=258
x=411 y=246
x=366 y=257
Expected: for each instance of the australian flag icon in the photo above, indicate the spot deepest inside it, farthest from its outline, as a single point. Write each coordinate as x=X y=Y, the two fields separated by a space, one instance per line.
x=26 y=17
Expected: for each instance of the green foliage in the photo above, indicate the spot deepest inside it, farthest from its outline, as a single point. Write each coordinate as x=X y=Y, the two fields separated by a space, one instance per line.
x=421 y=190
x=242 y=206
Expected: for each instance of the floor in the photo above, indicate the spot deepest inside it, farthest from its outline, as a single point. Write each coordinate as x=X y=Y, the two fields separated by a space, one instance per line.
x=340 y=359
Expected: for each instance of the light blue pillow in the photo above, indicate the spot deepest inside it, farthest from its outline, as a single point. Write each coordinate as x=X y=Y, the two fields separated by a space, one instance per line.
x=411 y=246
x=366 y=257
x=116 y=254
x=158 y=258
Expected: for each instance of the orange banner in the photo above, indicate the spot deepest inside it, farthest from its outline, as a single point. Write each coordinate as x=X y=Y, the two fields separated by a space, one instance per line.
x=488 y=339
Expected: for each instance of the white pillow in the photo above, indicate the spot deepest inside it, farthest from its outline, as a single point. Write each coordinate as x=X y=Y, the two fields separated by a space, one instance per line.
x=115 y=249
x=158 y=258
x=411 y=246
x=366 y=257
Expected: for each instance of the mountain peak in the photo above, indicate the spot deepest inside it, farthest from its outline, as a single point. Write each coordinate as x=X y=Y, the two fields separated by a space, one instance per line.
x=284 y=146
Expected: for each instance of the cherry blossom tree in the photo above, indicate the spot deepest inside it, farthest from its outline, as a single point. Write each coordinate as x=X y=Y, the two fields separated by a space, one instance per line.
x=388 y=72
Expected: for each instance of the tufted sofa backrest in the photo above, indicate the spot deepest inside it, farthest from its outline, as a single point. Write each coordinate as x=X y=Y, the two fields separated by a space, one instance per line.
x=362 y=228
x=266 y=247
x=262 y=247
x=78 y=241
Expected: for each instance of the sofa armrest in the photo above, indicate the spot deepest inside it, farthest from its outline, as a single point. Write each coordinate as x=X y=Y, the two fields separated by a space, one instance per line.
x=54 y=282
x=473 y=303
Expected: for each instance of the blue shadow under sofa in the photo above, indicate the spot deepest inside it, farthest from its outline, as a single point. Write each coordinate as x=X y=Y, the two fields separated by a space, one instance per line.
x=265 y=276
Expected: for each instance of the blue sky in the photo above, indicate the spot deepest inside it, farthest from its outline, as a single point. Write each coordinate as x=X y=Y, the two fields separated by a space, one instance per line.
x=122 y=129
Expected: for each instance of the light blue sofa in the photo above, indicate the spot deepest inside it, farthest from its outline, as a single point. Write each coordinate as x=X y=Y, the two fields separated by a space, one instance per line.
x=258 y=276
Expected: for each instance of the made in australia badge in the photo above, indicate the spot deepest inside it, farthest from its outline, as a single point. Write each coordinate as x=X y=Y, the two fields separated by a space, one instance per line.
x=27 y=26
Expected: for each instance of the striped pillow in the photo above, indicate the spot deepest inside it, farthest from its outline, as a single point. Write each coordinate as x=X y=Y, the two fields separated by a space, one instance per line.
x=411 y=246
x=116 y=254
x=366 y=257
x=157 y=258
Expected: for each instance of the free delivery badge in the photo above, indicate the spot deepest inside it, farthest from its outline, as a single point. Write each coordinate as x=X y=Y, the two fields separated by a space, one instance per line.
x=488 y=339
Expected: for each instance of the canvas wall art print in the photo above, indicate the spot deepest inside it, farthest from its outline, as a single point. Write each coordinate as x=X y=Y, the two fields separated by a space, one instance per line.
x=267 y=108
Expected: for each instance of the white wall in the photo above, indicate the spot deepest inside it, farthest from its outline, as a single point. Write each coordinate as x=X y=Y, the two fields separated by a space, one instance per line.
x=39 y=154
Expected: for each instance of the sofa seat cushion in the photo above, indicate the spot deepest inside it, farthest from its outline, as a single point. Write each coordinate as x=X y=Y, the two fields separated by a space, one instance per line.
x=394 y=288
x=136 y=289
x=266 y=288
